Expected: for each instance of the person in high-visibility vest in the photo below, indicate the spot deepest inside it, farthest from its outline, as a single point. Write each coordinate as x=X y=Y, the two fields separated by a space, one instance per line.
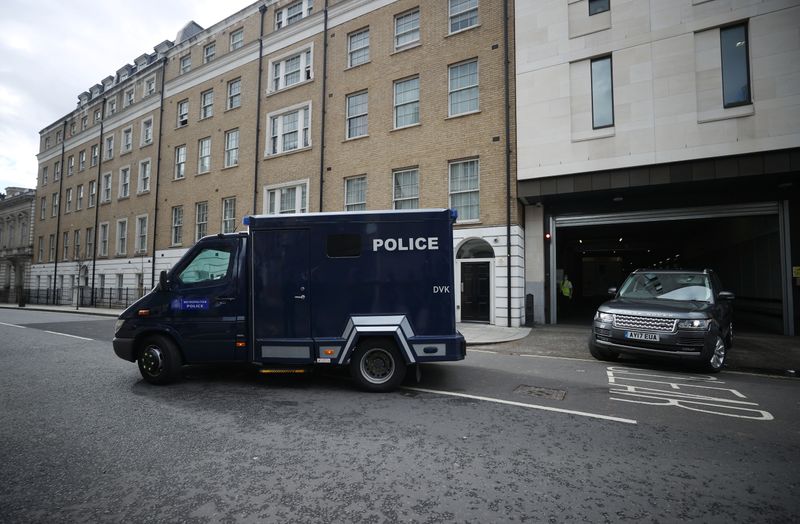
x=566 y=287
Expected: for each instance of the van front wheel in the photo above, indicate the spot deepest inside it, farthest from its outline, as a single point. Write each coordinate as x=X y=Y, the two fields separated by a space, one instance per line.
x=159 y=360
x=377 y=366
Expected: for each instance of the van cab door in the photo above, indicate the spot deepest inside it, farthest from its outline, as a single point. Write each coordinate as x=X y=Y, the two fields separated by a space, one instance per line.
x=208 y=303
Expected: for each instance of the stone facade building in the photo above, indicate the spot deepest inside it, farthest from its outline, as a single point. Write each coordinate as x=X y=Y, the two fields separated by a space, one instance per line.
x=16 y=212
x=292 y=107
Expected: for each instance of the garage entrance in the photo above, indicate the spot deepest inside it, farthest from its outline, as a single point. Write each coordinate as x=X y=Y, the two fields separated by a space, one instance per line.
x=745 y=244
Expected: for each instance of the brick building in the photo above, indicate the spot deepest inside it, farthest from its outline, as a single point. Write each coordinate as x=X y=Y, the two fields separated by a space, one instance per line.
x=291 y=107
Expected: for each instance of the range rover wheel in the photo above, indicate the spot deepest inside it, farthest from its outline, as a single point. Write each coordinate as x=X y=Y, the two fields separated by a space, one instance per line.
x=377 y=365
x=717 y=360
x=159 y=360
x=600 y=353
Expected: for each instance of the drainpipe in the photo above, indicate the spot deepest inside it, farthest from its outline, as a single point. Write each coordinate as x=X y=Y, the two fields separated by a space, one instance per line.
x=97 y=195
x=158 y=171
x=263 y=10
x=508 y=157
x=324 y=98
x=60 y=199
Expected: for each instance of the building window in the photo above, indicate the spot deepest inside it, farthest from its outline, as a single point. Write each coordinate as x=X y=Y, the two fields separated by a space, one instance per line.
x=141 y=234
x=70 y=165
x=47 y=142
x=54 y=204
x=76 y=245
x=602 y=93
x=287 y=199
x=44 y=175
x=177 y=225
x=406 y=28
x=97 y=115
x=122 y=236
x=43 y=208
x=357 y=115
x=72 y=128
x=406 y=189
x=111 y=106
x=200 y=220
x=69 y=200
x=355 y=193
x=127 y=140
x=292 y=70
x=598 y=6
x=89 y=242
x=103 y=240
x=234 y=93
x=106 y=188
x=293 y=13
x=209 y=51
x=463 y=88
x=82 y=160
x=51 y=255
x=228 y=215
x=183 y=113
x=463 y=14
x=79 y=200
x=232 y=148
x=207 y=104
x=289 y=131
x=464 y=189
x=180 y=162
x=358 y=48
x=95 y=155
x=84 y=122
x=237 y=39
x=92 y=192
x=204 y=155
x=186 y=64
x=57 y=171
x=735 y=65
x=124 y=182
x=65 y=246
x=129 y=97
x=147 y=131
x=40 y=252
x=109 y=147
x=143 y=185
x=150 y=86
x=58 y=137
x=406 y=102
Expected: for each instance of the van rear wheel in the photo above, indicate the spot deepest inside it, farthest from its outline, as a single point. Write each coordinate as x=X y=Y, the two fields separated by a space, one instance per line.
x=377 y=365
x=159 y=360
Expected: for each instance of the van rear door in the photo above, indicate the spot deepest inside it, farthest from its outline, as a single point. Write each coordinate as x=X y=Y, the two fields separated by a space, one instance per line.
x=281 y=294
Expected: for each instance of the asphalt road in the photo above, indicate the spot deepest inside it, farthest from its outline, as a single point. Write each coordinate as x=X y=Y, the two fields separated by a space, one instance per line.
x=495 y=438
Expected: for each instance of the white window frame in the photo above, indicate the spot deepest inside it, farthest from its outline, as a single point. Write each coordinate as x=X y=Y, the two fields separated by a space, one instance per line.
x=353 y=50
x=95 y=155
x=231 y=156
x=282 y=18
x=98 y=115
x=176 y=229
x=107 y=182
x=208 y=57
x=79 y=197
x=51 y=250
x=396 y=105
x=67 y=203
x=70 y=165
x=141 y=236
x=274 y=192
x=228 y=220
x=147 y=132
x=417 y=29
x=124 y=189
x=395 y=198
x=143 y=182
x=201 y=169
x=206 y=104
x=122 y=237
x=82 y=160
x=450 y=91
x=54 y=204
x=129 y=97
x=359 y=205
x=450 y=191
x=84 y=122
x=109 y=147
x=43 y=208
x=180 y=162
x=126 y=139
x=76 y=244
x=303 y=131
x=198 y=222
x=111 y=105
x=65 y=247
x=92 y=194
x=234 y=100
x=89 y=242
x=278 y=73
x=102 y=239
x=355 y=116
x=462 y=12
x=236 y=39
x=150 y=85
x=185 y=64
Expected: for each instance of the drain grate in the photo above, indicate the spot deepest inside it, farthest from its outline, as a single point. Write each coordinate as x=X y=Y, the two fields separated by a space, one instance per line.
x=535 y=391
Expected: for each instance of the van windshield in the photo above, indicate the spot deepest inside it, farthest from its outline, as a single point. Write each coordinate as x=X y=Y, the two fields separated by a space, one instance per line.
x=667 y=286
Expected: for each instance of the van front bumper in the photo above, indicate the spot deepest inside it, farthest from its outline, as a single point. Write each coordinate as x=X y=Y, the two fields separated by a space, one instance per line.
x=124 y=349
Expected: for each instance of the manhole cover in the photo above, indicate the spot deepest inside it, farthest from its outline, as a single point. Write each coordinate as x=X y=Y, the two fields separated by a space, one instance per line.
x=535 y=391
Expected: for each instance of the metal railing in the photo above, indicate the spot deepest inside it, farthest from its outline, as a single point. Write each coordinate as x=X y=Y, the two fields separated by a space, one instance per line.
x=108 y=297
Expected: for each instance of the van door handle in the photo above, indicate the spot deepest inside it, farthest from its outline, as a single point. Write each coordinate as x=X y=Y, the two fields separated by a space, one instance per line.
x=300 y=297
x=225 y=299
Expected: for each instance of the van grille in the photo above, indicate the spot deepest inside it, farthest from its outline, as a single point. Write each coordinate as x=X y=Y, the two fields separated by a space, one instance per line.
x=666 y=325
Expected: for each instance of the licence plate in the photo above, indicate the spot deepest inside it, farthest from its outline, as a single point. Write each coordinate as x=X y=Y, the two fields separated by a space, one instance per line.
x=635 y=335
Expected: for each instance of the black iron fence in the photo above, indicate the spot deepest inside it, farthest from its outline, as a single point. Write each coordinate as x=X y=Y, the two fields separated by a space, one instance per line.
x=108 y=297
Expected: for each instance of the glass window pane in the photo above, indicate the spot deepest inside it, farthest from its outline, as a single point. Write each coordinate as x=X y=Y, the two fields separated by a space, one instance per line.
x=735 y=77
x=602 y=93
x=598 y=6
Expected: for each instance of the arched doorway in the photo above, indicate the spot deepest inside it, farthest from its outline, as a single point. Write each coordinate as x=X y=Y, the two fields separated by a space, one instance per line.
x=475 y=273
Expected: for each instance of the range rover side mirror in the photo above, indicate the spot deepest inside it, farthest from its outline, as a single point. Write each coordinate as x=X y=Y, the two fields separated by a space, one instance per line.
x=726 y=295
x=612 y=291
x=162 y=281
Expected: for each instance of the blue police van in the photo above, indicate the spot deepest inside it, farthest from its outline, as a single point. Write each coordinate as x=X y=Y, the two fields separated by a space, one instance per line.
x=369 y=290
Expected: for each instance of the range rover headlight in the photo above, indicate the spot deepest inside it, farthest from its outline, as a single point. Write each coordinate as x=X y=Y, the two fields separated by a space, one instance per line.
x=693 y=323
x=604 y=317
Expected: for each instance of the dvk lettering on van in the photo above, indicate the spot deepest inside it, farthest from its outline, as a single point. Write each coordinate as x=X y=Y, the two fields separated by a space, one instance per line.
x=406 y=244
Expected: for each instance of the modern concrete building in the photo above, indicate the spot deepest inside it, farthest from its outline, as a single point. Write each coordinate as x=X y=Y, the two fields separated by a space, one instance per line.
x=660 y=134
x=292 y=107
x=16 y=212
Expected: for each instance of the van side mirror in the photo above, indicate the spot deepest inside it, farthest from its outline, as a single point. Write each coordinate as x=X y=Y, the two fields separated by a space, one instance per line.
x=162 y=281
x=726 y=295
x=612 y=291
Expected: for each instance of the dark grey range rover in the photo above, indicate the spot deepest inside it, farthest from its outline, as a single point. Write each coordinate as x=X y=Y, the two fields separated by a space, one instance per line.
x=666 y=313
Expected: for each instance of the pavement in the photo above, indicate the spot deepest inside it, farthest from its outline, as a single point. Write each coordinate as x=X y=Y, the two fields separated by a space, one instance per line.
x=752 y=352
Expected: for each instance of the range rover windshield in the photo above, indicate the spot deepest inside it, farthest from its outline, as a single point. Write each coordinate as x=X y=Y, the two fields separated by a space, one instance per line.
x=667 y=286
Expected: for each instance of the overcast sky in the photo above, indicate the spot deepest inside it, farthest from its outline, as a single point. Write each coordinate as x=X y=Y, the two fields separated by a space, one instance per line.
x=53 y=50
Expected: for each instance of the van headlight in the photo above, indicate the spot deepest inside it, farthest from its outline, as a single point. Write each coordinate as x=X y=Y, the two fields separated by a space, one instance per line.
x=604 y=317
x=118 y=325
x=693 y=323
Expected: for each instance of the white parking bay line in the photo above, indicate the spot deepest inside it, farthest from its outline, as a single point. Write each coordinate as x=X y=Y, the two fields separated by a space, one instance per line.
x=524 y=405
x=482 y=351
x=67 y=335
x=11 y=325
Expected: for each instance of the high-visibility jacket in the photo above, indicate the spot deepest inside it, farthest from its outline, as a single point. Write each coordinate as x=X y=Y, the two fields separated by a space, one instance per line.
x=566 y=288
